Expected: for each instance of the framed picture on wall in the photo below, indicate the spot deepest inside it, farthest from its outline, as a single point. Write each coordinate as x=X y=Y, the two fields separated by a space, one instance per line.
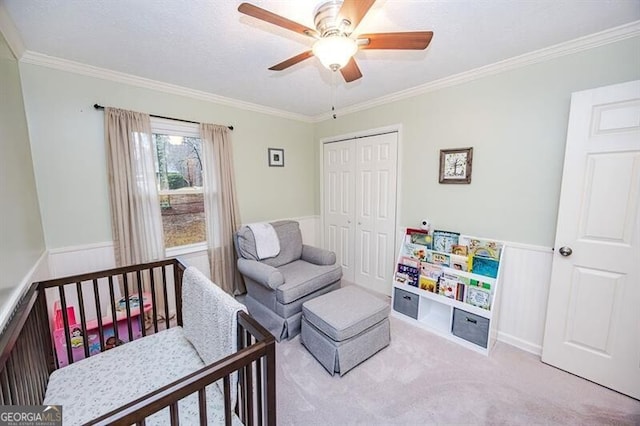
x=455 y=165
x=276 y=157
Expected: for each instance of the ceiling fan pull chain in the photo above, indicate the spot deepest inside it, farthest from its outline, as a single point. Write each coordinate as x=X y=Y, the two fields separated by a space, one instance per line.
x=333 y=95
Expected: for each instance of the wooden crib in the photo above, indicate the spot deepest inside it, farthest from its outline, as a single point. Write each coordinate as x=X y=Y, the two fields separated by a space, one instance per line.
x=28 y=356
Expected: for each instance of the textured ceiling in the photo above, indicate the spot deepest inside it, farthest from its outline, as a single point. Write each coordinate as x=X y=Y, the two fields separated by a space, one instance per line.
x=211 y=47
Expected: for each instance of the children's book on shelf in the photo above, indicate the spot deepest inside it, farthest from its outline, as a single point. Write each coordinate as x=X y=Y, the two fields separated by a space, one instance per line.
x=408 y=275
x=431 y=271
x=420 y=236
x=428 y=284
x=444 y=241
x=480 y=247
x=478 y=297
x=410 y=261
x=448 y=286
x=460 y=292
x=481 y=284
x=484 y=266
x=460 y=250
x=440 y=259
x=415 y=250
x=458 y=262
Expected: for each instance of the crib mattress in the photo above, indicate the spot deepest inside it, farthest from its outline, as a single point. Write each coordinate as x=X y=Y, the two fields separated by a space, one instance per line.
x=97 y=385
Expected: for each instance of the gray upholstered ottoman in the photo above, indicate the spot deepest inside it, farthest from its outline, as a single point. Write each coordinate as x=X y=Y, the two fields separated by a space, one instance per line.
x=344 y=328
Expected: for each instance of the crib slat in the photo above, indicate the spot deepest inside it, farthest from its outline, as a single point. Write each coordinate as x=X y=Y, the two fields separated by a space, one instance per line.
x=65 y=320
x=96 y=297
x=83 y=320
x=202 y=406
x=13 y=386
x=127 y=306
x=164 y=293
x=173 y=411
x=30 y=359
x=270 y=388
x=45 y=353
x=241 y=409
x=249 y=370
x=6 y=391
x=141 y=304
x=25 y=366
x=177 y=279
x=227 y=400
x=154 y=302
x=259 y=390
x=3 y=400
x=114 y=316
x=20 y=379
x=36 y=360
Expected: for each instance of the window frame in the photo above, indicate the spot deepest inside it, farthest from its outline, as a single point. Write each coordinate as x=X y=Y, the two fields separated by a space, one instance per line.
x=179 y=128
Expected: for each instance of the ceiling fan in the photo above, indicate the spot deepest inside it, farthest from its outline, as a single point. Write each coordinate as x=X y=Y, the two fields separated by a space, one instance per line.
x=336 y=43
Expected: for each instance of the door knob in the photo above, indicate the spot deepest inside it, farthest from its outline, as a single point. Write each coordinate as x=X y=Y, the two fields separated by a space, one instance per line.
x=565 y=251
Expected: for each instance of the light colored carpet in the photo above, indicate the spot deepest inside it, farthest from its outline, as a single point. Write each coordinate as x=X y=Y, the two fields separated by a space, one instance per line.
x=421 y=378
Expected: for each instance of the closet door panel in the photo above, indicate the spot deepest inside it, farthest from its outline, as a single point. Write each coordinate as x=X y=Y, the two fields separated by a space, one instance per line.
x=376 y=166
x=339 y=203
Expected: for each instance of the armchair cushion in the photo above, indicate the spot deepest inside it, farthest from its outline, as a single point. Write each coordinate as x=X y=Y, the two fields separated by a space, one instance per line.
x=261 y=273
x=317 y=255
x=302 y=278
x=288 y=232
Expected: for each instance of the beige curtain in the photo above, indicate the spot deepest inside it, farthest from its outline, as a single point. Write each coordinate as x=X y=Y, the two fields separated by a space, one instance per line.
x=135 y=208
x=221 y=207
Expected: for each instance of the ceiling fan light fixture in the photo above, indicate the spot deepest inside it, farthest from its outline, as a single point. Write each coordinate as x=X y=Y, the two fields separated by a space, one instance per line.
x=335 y=51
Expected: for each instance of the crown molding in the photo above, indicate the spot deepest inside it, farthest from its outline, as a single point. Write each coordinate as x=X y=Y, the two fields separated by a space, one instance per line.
x=10 y=33
x=612 y=35
x=602 y=38
x=40 y=59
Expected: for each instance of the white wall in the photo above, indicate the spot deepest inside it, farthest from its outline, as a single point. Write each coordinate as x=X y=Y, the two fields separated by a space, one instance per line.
x=67 y=139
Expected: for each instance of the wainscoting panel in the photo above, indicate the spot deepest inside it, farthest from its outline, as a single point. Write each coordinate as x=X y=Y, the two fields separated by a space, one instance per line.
x=524 y=285
x=310 y=228
x=523 y=297
x=81 y=259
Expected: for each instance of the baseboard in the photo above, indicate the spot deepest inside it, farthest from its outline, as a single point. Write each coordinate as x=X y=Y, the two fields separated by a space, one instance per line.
x=520 y=343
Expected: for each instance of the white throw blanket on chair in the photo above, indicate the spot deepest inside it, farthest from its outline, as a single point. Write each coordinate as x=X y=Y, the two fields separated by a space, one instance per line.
x=267 y=241
x=210 y=320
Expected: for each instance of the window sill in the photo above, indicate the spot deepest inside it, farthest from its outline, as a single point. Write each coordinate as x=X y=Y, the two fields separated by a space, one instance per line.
x=185 y=250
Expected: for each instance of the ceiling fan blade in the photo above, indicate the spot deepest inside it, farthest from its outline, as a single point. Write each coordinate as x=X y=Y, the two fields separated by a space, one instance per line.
x=292 y=61
x=354 y=11
x=415 y=40
x=272 y=18
x=351 y=72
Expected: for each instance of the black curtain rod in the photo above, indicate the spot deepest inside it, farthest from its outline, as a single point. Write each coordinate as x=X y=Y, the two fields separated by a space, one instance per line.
x=96 y=106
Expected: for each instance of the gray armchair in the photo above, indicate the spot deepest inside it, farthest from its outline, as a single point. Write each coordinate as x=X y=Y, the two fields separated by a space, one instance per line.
x=278 y=286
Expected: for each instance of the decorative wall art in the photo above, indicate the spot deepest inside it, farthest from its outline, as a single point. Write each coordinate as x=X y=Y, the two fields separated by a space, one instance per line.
x=455 y=165
x=276 y=157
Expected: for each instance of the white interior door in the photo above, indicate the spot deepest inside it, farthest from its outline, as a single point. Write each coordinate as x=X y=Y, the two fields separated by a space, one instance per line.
x=593 y=315
x=339 y=203
x=376 y=164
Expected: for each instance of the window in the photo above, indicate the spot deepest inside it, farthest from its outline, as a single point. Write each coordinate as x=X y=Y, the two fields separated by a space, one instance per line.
x=178 y=161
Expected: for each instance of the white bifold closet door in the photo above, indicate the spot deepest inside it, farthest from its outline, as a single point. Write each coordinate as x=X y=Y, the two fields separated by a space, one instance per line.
x=360 y=177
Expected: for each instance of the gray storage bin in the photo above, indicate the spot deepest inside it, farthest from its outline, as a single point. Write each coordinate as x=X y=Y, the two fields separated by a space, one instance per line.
x=406 y=303
x=470 y=327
